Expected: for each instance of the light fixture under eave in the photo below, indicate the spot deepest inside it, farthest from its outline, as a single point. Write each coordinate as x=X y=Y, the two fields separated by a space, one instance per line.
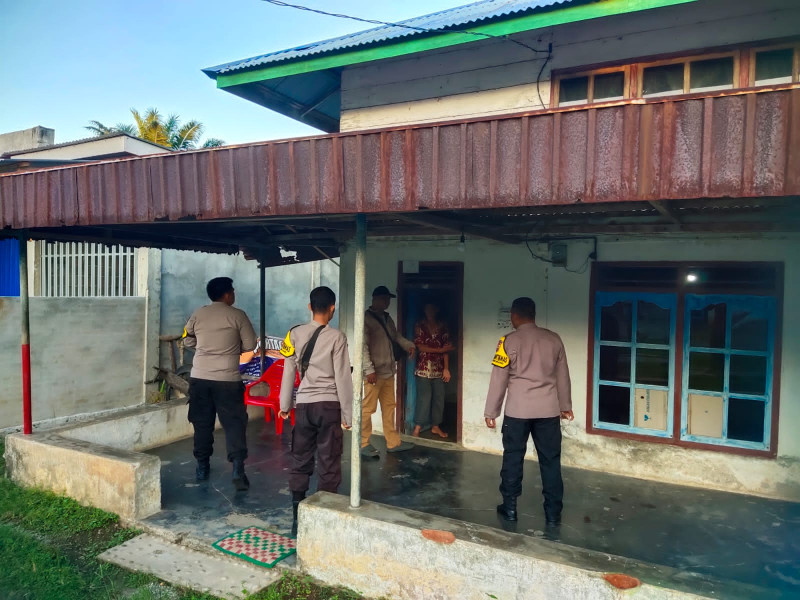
x=691 y=278
x=462 y=244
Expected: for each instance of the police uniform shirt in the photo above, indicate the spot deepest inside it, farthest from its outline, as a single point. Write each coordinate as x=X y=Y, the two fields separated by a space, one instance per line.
x=328 y=378
x=220 y=333
x=531 y=365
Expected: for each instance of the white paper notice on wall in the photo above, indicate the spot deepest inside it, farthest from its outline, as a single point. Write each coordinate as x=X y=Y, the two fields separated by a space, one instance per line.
x=504 y=318
x=410 y=266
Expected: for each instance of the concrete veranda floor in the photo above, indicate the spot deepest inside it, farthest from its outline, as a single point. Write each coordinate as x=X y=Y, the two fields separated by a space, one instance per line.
x=728 y=537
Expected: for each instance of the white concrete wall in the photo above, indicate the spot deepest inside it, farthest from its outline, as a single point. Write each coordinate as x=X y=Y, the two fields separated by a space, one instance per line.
x=495 y=274
x=24 y=139
x=495 y=77
x=183 y=286
x=86 y=354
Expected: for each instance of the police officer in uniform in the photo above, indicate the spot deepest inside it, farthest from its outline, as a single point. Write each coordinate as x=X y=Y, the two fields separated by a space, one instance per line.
x=324 y=402
x=530 y=366
x=219 y=333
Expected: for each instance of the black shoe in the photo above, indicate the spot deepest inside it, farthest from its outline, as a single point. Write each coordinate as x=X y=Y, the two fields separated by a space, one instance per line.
x=240 y=480
x=203 y=470
x=508 y=509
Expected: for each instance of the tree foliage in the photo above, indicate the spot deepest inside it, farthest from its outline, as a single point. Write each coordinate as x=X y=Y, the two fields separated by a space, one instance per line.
x=153 y=127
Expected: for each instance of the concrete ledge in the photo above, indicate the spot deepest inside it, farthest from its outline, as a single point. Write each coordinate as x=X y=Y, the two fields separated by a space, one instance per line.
x=99 y=463
x=126 y=483
x=137 y=429
x=381 y=551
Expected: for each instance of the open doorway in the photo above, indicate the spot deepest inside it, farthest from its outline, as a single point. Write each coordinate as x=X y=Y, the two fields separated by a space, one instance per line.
x=440 y=283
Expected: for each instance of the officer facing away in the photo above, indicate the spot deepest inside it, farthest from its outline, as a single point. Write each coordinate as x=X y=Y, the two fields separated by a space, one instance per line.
x=531 y=365
x=219 y=333
x=324 y=401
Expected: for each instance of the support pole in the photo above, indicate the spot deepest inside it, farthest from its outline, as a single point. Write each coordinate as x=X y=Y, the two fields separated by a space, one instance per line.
x=359 y=306
x=262 y=327
x=27 y=418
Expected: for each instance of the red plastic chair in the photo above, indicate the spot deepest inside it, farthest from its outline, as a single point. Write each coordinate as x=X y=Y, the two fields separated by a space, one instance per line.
x=272 y=401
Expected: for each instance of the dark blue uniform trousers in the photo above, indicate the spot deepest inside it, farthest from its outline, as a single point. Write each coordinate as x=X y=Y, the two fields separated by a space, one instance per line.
x=546 y=435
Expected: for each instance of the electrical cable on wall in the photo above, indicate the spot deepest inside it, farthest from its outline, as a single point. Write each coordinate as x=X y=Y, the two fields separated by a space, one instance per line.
x=580 y=270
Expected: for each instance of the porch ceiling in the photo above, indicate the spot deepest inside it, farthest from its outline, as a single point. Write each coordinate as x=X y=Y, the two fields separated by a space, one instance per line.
x=718 y=163
x=286 y=240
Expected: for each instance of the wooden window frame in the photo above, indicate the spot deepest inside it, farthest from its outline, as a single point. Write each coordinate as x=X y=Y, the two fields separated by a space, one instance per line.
x=591 y=74
x=751 y=70
x=744 y=60
x=684 y=267
x=687 y=61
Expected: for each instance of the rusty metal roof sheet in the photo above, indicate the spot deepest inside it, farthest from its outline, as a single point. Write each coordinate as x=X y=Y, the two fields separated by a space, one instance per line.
x=743 y=144
x=451 y=18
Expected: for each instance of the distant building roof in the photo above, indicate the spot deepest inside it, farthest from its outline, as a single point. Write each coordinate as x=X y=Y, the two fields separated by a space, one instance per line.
x=89 y=140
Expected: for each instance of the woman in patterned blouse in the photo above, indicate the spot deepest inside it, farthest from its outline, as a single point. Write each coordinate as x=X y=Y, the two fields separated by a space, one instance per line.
x=432 y=370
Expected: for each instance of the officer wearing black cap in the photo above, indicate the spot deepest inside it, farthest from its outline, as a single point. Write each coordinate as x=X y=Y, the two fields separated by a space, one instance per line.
x=383 y=347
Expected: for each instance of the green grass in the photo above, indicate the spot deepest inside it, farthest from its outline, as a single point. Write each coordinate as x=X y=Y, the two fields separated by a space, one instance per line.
x=49 y=547
x=298 y=587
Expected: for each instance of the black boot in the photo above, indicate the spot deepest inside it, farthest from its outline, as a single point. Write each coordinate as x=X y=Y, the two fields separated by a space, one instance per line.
x=552 y=519
x=508 y=509
x=240 y=481
x=552 y=514
x=203 y=470
x=297 y=498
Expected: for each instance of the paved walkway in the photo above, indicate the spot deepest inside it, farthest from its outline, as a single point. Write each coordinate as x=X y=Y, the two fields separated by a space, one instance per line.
x=725 y=536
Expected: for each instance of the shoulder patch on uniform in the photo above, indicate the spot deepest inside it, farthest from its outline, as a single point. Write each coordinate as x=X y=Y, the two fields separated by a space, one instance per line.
x=286 y=347
x=500 y=357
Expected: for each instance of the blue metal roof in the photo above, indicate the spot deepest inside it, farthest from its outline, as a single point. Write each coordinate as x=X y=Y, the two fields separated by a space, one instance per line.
x=460 y=16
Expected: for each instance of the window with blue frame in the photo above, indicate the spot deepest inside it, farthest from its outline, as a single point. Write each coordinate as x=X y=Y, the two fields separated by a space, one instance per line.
x=686 y=352
x=727 y=369
x=634 y=362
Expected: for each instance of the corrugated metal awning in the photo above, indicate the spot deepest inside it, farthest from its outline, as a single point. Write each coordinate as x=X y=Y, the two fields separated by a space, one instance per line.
x=736 y=145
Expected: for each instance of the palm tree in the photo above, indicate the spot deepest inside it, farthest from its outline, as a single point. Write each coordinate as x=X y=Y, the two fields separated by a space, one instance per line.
x=169 y=132
x=97 y=128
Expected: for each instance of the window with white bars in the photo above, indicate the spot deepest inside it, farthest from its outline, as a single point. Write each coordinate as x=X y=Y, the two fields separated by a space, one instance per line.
x=80 y=269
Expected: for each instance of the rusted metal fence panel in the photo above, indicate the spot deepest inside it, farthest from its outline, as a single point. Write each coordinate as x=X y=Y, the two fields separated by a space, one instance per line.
x=730 y=145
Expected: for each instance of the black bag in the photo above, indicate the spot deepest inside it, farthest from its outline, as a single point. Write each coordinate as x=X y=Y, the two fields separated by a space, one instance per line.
x=397 y=350
x=306 y=358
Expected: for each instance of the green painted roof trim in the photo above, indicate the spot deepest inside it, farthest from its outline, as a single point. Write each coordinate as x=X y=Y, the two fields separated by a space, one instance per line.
x=561 y=16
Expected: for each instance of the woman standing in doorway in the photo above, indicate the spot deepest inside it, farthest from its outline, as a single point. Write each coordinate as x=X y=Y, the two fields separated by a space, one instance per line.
x=432 y=370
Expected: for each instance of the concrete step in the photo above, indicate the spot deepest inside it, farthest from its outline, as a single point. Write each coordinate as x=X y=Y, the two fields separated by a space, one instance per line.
x=195 y=540
x=184 y=567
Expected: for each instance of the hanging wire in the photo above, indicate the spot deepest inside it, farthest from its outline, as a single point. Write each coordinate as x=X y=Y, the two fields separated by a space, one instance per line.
x=548 y=52
x=406 y=26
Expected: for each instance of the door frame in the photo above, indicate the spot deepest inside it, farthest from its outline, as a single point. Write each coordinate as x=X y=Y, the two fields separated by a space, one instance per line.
x=402 y=386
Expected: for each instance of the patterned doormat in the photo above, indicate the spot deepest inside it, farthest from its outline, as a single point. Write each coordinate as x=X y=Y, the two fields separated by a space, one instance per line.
x=258 y=546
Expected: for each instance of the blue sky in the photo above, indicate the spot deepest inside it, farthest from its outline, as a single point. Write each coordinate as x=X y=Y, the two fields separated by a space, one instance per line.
x=65 y=63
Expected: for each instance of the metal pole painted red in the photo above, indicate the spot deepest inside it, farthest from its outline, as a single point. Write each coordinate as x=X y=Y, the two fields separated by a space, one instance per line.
x=27 y=417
